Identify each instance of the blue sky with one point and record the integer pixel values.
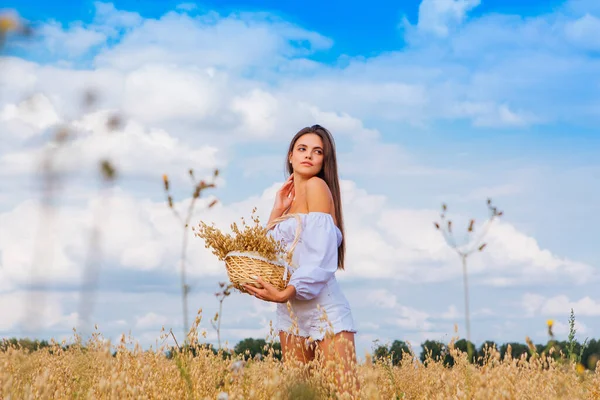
(359, 28)
(430, 101)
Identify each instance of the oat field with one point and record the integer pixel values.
(99, 370)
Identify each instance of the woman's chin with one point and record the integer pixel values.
(305, 174)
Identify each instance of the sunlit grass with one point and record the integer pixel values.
(102, 370)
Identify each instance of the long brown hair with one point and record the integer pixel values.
(329, 173)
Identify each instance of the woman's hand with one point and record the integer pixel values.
(270, 292)
(285, 195)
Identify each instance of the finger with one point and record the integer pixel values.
(288, 181)
(250, 289)
(268, 287)
(255, 290)
(287, 185)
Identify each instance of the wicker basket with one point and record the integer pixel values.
(243, 266)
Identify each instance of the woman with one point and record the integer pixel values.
(312, 192)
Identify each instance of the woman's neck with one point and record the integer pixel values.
(300, 182)
(299, 202)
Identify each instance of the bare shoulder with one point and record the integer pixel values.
(318, 195)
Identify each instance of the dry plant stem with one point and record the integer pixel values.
(466, 291)
(92, 264)
(43, 252)
(173, 335)
(198, 187)
(184, 286)
(221, 296)
(219, 322)
(464, 252)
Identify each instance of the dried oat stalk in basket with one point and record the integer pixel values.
(251, 238)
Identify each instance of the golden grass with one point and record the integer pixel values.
(252, 238)
(97, 372)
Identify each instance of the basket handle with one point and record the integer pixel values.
(284, 217)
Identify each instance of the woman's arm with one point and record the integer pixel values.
(283, 199)
(319, 260)
(276, 212)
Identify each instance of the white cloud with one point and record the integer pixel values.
(37, 112)
(560, 305)
(35, 311)
(108, 18)
(582, 7)
(381, 298)
(585, 32)
(383, 242)
(492, 115)
(485, 192)
(73, 41)
(135, 150)
(151, 320)
(438, 16)
(258, 110)
(452, 313)
(156, 93)
(235, 41)
(563, 329)
(411, 319)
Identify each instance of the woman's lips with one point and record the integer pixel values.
(306, 163)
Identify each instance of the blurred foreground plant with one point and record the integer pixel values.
(12, 24)
(198, 188)
(52, 177)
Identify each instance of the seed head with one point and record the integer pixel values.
(8, 23)
(109, 172)
(471, 225)
(114, 122)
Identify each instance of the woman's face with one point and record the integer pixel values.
(307, 155)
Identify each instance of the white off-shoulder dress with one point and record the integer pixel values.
(315, 259)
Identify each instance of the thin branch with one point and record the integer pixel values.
(172, 334)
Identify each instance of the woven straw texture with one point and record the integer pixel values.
(242, 267)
